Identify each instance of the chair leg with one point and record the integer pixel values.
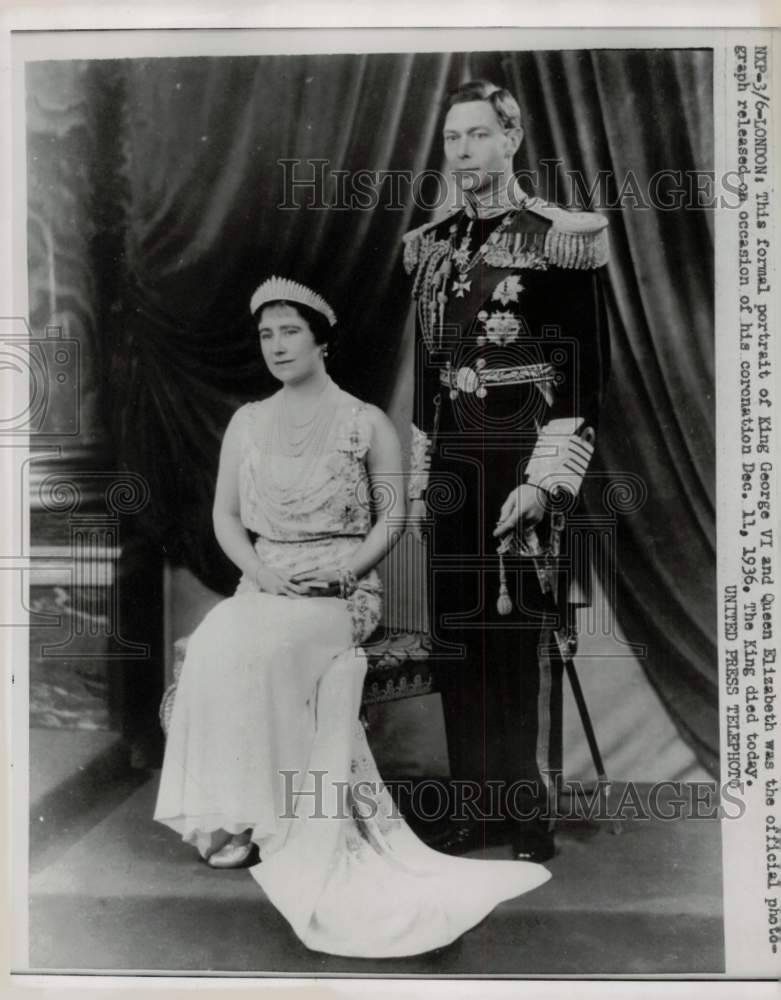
(588, 729)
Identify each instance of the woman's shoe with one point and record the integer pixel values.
(233, 855)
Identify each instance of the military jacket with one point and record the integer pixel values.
(511, 338)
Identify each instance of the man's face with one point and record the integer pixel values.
(477, 146)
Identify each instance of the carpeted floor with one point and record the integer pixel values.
(128, 895)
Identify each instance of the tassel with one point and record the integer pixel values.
(503, 604)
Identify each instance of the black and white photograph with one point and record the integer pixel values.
(370, 471)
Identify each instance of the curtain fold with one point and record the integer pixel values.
(201, 140)
(636, 114)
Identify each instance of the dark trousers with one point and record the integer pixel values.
(497, 675)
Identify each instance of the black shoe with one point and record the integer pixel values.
(457, 838)
(535, 844)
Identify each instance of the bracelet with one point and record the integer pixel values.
(348, 583)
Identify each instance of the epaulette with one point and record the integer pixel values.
(414, 240)
(574, 239)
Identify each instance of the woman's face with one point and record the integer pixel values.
(288, 344)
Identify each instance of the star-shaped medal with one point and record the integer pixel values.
(508, 290)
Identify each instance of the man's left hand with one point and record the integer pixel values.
(524, 507)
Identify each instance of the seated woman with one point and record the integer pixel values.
(266, 755)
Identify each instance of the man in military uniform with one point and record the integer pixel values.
(511, 362)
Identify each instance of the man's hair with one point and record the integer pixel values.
(500, 99)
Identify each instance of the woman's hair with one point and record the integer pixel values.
(322, 331)
(502, 101)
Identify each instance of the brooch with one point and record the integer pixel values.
(508, 289)
(500, 328)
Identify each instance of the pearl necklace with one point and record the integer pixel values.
(289, 466)
(289, 445)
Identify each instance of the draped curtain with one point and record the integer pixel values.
(200, 141)
(634, 114)
(204, 140)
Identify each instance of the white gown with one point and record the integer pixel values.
(265, 734)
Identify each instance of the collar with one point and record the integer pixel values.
(496, 203)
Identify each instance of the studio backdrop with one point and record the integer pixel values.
(161, 192)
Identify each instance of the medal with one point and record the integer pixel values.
(461, 286)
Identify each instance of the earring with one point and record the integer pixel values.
(325, 353)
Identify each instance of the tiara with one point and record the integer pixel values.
(275, 288)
